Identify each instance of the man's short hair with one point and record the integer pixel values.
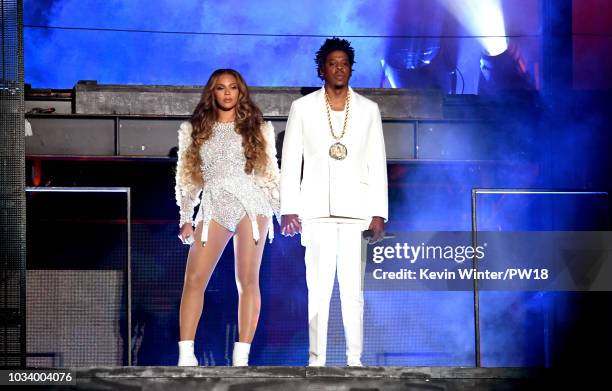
(331, 45)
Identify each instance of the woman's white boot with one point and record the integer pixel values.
(186, 356)
(240, 356)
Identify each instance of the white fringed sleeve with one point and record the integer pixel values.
(187, 194)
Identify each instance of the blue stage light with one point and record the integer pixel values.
(411, 67)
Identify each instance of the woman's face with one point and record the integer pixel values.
(226, 92)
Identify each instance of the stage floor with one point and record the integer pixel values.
(303, 378)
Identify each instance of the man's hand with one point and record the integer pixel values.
(290, 225)
(378, 229)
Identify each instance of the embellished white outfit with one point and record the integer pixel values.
(228, 193)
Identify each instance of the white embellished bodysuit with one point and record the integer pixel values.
(228, 193)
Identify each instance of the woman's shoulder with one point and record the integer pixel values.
(267, 129)
(184, 134)
(185, 127)
(267, 125)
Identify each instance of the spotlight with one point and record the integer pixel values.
(413, 68)
(505, 71)
(501, 66)
(484, 19)
(413, 59)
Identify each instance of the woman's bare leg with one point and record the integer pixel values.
(248, 260)
(201, 262)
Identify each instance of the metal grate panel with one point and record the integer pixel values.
(12, 197)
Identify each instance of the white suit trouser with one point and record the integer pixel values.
(331, 246)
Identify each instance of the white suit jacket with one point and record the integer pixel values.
(355, 187)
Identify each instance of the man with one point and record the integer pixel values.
(338, 134)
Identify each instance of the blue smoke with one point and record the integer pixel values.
(59, 58)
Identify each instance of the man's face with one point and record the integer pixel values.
(337, 69)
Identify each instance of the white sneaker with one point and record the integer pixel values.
(316, 361)
(354, 362)
(316, 364)
(240, 355)
(186, 356)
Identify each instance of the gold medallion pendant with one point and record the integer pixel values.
(338, 151)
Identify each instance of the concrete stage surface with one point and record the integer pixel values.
(305, 378)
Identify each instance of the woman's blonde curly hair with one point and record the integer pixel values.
(249, 120)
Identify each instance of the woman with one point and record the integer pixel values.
(227, 154)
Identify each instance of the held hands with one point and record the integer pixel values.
(290, 225)
(186, 234)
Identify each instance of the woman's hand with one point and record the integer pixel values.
(186, 234)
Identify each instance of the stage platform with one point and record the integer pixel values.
(304, 378)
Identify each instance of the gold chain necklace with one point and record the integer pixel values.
(338, 150)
